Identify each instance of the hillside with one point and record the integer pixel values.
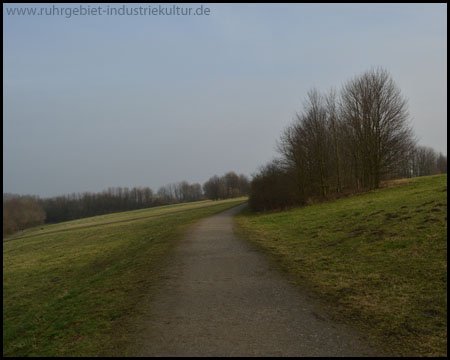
(377, 260)
(76, 288)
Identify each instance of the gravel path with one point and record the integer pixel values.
(223, 298)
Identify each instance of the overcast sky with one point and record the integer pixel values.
(97, 101)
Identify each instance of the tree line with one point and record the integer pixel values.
(423, 161)
(344, 142)
(20, 212)
(227, 186)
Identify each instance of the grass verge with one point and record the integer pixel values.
(377, 261)
(71, 293)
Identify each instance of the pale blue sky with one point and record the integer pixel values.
(98, 101)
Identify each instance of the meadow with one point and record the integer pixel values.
(107, 219)
(377, 261)
(77, 288)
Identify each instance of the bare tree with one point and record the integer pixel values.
(425, 161)
(342, 142)
(334, 127)
(441, 163)
(376, 118)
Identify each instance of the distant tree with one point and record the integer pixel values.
(196, 190)
(441, 163)
(244, 185)
(272, 188)
(425, 161)
(147, 194)
(164, 195)
(185, 191)
(231, 182)
(211, 188)
(9, 225)
(227, 186)
(21, 212)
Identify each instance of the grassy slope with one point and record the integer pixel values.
(71, 293)
(377, 260)
(120, 216)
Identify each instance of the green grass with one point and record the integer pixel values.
(73, 293)
(377, 261)
(116, 217)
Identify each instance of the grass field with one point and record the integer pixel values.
(73, 292)
(118, 217)
(378, 260)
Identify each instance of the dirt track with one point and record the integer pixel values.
(223, 298)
